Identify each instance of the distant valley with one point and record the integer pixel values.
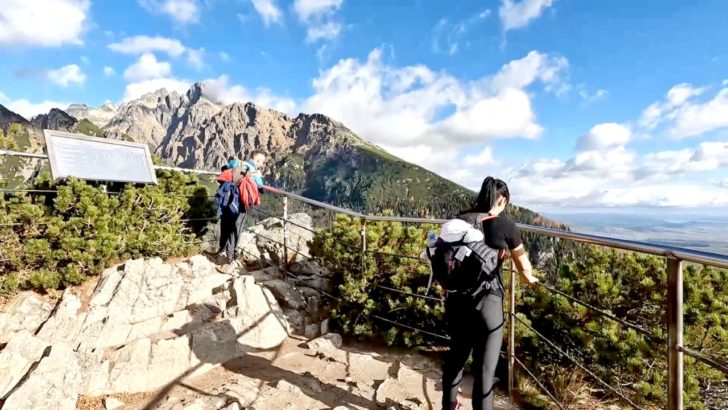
(700, 231)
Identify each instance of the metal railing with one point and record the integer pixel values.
(675, 257)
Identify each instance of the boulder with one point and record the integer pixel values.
(308, 268)
(265, 240)
(315, 282)
(256, 316)
(296, 320)
(405, 387)
(54, 384)
(16, 359)
(312, 331)
(27, 312)
(328, 346)
(325, 326)
(286, 294)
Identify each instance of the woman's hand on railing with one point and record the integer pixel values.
(528, 279)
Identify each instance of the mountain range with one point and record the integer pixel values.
(310, 154)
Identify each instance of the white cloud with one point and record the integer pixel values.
(224, 56)
(268, 10)
(196, 58)
(67, 75)
(447, 37)
(326, 31)
(407, 106)
(42, 23)
(147, 44)
(684, 116)
(219, 90)
(482, 159)
(693, 119)
(603, 136)
(29, 109)
(320, 18)
(108, 71)
(308, 9)
(138, 89)
(708, 156)
(659, 111)
(535, 66)
(589, 97)
(604, 172)
(147, 68)
(516, 14)
(181, 11)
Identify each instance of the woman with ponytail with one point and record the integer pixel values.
(475, 324)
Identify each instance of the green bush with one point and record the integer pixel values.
(340, 246)
(54, 240)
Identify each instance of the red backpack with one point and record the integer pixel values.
(249, 194)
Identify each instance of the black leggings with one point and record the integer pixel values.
(230, 227)
(477, 329)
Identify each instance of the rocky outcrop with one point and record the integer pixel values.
(266, 239)
(145, 324)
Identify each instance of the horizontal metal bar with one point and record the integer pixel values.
(29, 191)
(601, 312)
(409, 293)
(12, 153)
(190, 170)
(313, 202)
(538, 382)
(706, 258)
(689, 255)
(705, 359)
(579, 365)
(396, 255)
(402, 325)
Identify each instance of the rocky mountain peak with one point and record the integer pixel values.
(98, 116)
(56, 119)
(8, 117)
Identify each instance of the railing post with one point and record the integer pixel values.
(363, 245)
(511, 329)
(285, 234)
(674, 334)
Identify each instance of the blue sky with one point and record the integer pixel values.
(575, 103)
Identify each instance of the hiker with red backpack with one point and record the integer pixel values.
(467, 260)
(241, 184)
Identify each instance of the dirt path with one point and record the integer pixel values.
(295, 376)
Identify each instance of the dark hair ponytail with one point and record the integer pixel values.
(491, 189)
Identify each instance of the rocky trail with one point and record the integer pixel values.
(297, 375)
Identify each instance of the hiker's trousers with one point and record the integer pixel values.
(477, 329)
(230, 226)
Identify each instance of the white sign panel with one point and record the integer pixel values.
(98, 159)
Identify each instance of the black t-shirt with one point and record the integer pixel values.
(501, 233)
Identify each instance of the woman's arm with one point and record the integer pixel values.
(523, 265)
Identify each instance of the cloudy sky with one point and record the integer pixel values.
(580, 104)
